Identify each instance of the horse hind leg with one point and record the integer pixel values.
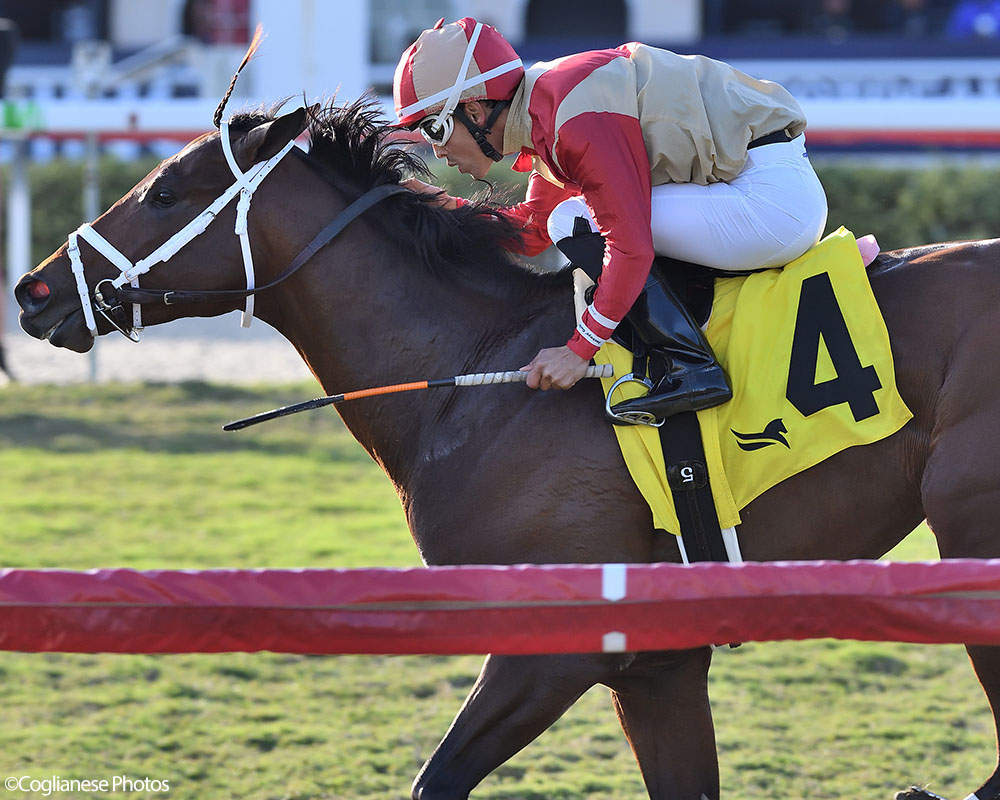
(514, 700)
(919, 793)
(959, 492)
(986, 662)
(985, 659)
(663, 706)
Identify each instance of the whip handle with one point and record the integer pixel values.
(517, 376)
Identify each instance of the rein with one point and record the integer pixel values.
(169, 297)
(246, 183)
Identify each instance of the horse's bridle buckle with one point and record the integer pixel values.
(114, 312)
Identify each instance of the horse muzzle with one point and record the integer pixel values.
(44, 318)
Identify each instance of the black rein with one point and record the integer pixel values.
(169, 297)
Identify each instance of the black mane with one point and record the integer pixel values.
(355, 144)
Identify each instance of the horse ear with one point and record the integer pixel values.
(266, 140)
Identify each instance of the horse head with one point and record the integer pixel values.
(203, 193)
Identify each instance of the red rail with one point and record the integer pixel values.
(521, 609)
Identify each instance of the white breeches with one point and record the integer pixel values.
(768, 215)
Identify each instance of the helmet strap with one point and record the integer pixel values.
(480, 132)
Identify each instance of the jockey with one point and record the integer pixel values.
(633, 152)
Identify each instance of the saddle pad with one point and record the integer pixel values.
(808, 355)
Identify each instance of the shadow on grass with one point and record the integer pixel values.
(183, 418)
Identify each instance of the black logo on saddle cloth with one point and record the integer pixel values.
(772, 434)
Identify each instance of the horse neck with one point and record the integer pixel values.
(371, 316)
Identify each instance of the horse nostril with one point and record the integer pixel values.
(38, 290)
(32, 294)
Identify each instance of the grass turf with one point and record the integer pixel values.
(143, 476)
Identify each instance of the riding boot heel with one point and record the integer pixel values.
(694, 379)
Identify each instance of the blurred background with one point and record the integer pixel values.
(902, 96)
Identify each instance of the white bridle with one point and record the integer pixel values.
(245, 185)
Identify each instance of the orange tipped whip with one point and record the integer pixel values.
(472, 379)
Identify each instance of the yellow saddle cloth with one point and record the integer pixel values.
(808, 355)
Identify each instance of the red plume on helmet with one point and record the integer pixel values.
(440, 67)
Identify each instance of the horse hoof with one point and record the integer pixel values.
(918, 793)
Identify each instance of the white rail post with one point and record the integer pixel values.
(91, 64)
(91, 209)
(18, 210)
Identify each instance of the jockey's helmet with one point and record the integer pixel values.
(452, 64)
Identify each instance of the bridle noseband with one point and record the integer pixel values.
(108, 302)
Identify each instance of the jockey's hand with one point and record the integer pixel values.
(555, 368)
(443, 199)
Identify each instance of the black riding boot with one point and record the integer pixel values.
(693, 378)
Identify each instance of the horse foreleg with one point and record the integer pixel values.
(514, 700)
(662, 704)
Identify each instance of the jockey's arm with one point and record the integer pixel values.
(605, 156)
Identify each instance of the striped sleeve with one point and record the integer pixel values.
(604, 154)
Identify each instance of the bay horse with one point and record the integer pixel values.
(507, 475)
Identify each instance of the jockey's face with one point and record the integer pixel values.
(462, 151)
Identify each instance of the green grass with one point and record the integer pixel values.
(143, 476)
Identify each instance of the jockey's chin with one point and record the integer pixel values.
(473, 168)
(469, 160)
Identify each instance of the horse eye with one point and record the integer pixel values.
(163, 198)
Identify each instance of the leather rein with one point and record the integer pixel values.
(170, 297)
(109, 302)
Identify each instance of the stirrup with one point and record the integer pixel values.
(631, 417)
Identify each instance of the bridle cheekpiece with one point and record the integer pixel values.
(245, 185)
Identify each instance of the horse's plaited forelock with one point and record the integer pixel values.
(258, 37)
(355, 143)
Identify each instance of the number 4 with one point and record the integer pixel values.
(818, 316)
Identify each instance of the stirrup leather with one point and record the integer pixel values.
(631, 417)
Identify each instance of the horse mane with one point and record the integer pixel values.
(353, 146)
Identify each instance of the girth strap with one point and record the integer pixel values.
(342, 220)
(687, 475)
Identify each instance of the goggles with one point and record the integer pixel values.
(435, 130)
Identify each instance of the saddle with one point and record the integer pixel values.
(808, 355)
(694, 284)
(701, 536)
(687, 468)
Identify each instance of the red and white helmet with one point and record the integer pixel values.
(451, 64)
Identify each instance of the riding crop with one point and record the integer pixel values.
(472, 379)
